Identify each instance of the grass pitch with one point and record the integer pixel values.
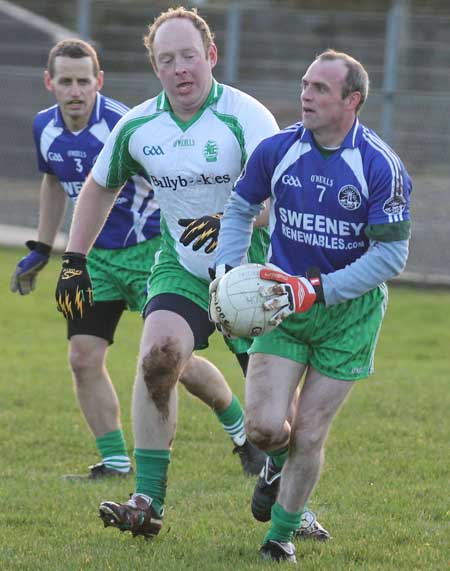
(383, 493)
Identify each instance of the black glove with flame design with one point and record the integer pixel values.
(204, 231)
(74, 294)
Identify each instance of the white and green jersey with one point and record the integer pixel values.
(191, 165)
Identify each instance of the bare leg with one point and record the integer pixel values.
(166, 346)
(203, 380)
(94, 389)
(319, 402)
(206, 382)
(270, 389)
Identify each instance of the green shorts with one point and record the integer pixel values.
(259, 246)
(122, 274)
(168, 276)
(338, 341)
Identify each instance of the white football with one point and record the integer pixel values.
(238, 303)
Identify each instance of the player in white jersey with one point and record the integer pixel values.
(191, 142)
(340, 227)
(69, 136)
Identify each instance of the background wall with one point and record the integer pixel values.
(277, 41)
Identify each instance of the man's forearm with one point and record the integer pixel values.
(52, 206)
(91, 211)
(383, 261)
(235, 230)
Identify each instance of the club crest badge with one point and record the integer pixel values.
(210, 151)
(349, 197)
(394, 205)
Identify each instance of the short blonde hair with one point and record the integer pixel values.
(180, 12)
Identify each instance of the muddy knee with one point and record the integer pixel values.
(161, 367)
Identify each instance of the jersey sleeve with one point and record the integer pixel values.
(389, 199)
(260, 124)
(235, 231)
(115, 164)
(254, 183)
(43, 164)
(382, 261)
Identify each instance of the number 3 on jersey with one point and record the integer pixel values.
(78, 165)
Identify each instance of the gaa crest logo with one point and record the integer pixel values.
(152, 151)
(349, 197)
(210, 151)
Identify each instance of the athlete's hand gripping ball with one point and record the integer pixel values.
(290, 295)
(74, 295)
(204, 231)
(24, 278)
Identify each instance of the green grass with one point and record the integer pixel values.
(383, 493)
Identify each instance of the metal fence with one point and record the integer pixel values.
(265, 47)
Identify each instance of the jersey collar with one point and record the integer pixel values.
(163, 103)
(351, 141)
(94, 117)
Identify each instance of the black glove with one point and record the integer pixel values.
(315, 277)
(24, 278)
(74, 295)
(202, 230)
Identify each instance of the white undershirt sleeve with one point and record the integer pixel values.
(236, 230)
(381, 262)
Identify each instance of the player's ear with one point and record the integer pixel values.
(354, 98)
(100, 80)
(48, 81)
(212, 54)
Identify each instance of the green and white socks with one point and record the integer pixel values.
(232, 420)
(113, 451)
(152, 465)
(279, 457)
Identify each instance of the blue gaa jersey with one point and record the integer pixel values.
(325, 210)
(70, 157)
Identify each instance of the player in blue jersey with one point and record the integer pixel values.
(69, 137)
(340, 227)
